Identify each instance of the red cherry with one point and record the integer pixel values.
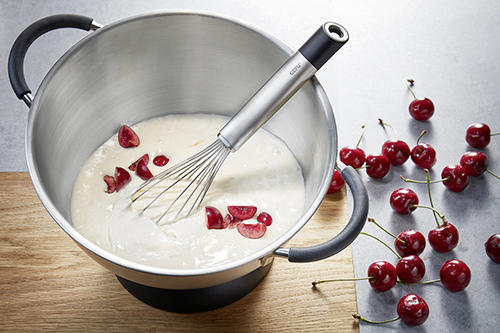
(410, 269)
(377, 166)
(444, 238)
(337, 182)
(397, 151)
(421, 109)
(133, 166)
(242, 212)
(127, 137)
(423, 155)
(265, 218)
(214, 218)
(458, 177)
(230, 221)
(353, 156)
(414, 243)
(110, 182)
(122, 178)
(226, 221)
(160, 160)
(407, 242)
(383, 275)
(142, 170)
(474, 162)
(252, 231)
(455, 275)
(492, 246)
(402, 200)
(413, 310)
(478, 135)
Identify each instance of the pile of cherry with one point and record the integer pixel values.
(235, 219)
(454, 274)
(127, 138)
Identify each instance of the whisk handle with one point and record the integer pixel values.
(284, 83)
(324, 43)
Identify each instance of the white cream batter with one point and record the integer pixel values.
(263, 173)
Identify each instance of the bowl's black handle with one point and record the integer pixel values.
(28, 36)
(346, 236)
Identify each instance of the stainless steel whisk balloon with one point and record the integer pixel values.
(188, 181)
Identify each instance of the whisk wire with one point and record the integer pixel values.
(207, 184)
(178, 179)
(172, 170)
(200, 175)
(199, 169)
(209, 168)
(210, 180)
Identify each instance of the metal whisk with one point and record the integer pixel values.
(198, 172)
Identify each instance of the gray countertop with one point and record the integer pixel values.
(450, 48)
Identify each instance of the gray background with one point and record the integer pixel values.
(450, 48)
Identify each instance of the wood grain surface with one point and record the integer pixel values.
(48, 284)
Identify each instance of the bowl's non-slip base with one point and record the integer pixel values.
(196, 300)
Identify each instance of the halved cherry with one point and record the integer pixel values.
(143, 171)
(226, 221)
(214, 218)
(252, 231)
(110, 182)
(265, 218)
(144, 158)
(242, 212)
(122, 178)
(127, 137)
(231, 222)
(160, 160)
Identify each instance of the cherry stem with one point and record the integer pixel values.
(386, 231)
(420, 282)
(314, 283)
(411, 85)
(421, 135)
(359, 317)
(441, 216)
(493, 134)
(381, 241)
(363, 167)
(428, 179)
(491, 173)
(383, 124)
(424, 181)
(361, 137)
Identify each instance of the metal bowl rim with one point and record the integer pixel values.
(80, 239)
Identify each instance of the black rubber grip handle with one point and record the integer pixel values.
(29, 35)
(324, 43)
(350, 231)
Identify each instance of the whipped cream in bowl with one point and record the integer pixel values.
(263, 173)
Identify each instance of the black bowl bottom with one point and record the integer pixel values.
(196, 300)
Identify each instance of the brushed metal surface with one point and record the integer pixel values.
(158, 64)
(267, 101)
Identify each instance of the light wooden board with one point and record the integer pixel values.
(48, 284)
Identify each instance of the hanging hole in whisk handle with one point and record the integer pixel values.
(324, 43)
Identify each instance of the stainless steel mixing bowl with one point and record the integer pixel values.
(170, 62)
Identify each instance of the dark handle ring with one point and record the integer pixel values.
(346, 236)
(324, 43)
(28, 36)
